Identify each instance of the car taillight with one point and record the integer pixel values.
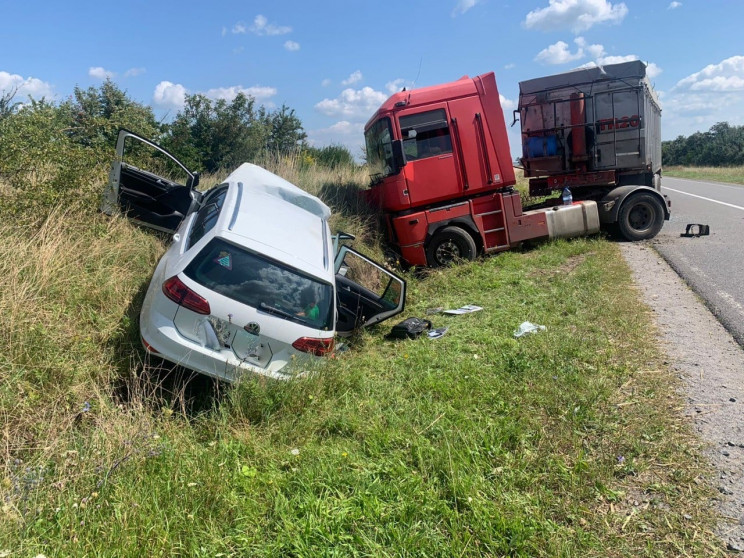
(147, 346)
(179, 293)
(317, 347)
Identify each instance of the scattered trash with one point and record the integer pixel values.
(463, 310)
(437, 310)
(690, 231)
(528, 327)
(437, 333)
(409, 328)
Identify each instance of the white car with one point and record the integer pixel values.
(253, 278)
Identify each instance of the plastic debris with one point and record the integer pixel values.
(436, 310)
(696, 230)
(437, 333)
(463, 310)
(528, 327)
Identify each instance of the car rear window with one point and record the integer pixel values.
(264, 284)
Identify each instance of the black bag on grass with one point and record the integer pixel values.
(409, 328)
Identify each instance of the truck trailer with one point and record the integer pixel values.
(442, 174)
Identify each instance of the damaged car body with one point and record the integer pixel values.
(253, 278)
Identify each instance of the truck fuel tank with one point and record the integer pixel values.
(577, 219)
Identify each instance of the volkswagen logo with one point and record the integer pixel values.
(253, 328)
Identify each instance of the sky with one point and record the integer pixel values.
(334, 62)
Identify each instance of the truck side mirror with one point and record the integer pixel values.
(398, 158)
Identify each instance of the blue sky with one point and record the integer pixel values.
(334, 62)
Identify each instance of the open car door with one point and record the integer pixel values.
(158, 198)
(367, 292)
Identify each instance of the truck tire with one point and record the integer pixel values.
(450, 245)
(641, 217)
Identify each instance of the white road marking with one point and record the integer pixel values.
(717, 184)
(704, 198)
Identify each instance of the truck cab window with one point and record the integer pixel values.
(425, 134)
(379, 141)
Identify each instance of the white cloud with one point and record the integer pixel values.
(258, 92)
(98, 72)
(355, 77)
(674, 5)
(326, 82)
(261, 26)
(463, 6)
(169, 95)
(292, 46)
(510, 66)
(577, 15)
(352, 103)
(727, 76)
(134, 72)
(172, 95)
(507, 104)
(239, 28)
(24, 88)
(397, 85)
(558, 53)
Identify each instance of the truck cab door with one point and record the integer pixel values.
(431, 170)
(158, 198)
(367, 293)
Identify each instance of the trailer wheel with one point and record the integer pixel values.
(641, 217)
(450, 245)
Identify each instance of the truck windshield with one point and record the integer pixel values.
(379, 140)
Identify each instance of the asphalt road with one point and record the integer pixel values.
(712, 265)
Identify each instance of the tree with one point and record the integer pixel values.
(95, 116)
(331, 156)
(7, 106)
(212, 135)
(721, 146)
(286, 133)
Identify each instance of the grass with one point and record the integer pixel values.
(734, 175)
(565, 443)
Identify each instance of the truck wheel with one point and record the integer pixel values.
(450, 245)
(641, 217)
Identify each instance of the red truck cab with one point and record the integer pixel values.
(442, 173)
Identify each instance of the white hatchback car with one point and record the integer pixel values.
(253, 278)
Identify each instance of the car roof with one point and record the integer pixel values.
(276, 218)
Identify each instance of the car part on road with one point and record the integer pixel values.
(702, 230)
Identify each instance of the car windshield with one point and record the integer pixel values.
(380, 150)
(264, 284)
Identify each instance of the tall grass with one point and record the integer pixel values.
(566, 443)
(735, 175)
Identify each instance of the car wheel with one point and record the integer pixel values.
(450, 245)
(641, 217)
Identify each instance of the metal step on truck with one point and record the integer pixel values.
(442, 174)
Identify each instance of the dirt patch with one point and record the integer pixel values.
(711, 365)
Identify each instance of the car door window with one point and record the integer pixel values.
(207, 216)
(367, 292)
(148, 184)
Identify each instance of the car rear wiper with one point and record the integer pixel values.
(278, 312)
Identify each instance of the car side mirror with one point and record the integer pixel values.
(398, 158)
(193, 182)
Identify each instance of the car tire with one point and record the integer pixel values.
(641, 217)
(450, 245)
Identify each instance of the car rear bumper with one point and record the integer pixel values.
(161, 338)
